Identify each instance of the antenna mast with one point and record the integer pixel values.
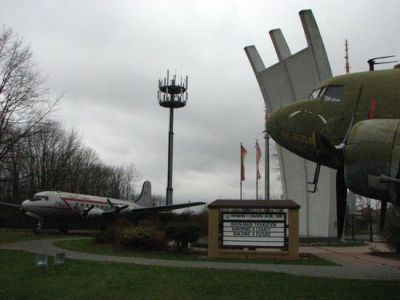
(172, 95)
(346, 57)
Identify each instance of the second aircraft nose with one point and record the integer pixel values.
(274, 124)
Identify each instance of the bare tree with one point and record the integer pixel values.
(128, 182)
(37, 153)
(23, 99)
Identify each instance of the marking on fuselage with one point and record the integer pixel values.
(322, 118)
(66, 204)
(300, 138)
(88, 201)
(294, 113)
(372, 109)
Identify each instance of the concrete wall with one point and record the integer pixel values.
(291, 79)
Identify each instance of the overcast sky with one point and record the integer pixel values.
(106, 58)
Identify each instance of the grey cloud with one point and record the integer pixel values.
(108, 56)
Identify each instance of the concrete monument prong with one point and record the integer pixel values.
(291, 79)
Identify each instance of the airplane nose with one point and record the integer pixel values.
(25, 203)
(273, 124)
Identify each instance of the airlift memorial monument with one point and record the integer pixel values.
(293, 77)
(253, 229)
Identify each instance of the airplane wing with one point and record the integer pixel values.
(10, 204)
(166, 207)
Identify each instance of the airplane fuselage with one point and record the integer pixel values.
(61, 205)
(313, 127)
(350, 123)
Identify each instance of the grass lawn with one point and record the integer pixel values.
(89, 246)
(95, 280)
(14, 235)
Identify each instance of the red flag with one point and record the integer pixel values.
(372, 109)
(258, 158)
(243, 153)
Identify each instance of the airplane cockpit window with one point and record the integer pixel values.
(333, 93)
(38, 198)
(314, 94)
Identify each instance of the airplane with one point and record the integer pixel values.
(63, 207)
(350, 123)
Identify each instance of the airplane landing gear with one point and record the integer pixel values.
(64, 228)
(38, 228)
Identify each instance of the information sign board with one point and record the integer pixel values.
(254, 229)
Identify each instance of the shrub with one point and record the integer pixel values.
(201, 218)
(182, 233)
(110, 235)
(391, 231)
(142, 237)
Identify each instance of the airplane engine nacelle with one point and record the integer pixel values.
(95, 212)
(127, 211)
(372, 158)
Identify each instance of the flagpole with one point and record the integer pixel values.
(256, 172)
(266, 176)
(256, 189)
(241, 170)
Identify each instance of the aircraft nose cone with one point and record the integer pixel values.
(25, 204)
(273, 124)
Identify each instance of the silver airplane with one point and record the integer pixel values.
(62, 207)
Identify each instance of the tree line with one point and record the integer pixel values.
(37, 153)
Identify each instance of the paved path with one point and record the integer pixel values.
(356, 264)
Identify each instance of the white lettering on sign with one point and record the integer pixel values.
(254, 229)
(253, 210)
(255, 217)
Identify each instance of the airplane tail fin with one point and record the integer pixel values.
(145, 198)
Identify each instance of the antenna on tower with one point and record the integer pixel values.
(346, 56)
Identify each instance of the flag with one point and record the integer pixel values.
(243, 153)
(372, 109)
(258, 158)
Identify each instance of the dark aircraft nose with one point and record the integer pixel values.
(302, 128)
(293, 123)
(273, 124)
(278, 123)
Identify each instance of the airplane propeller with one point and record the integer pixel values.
(85, 212)
(117, 208)
(341, 189)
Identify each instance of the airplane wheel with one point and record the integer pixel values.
(64, 228)
(37, 229)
